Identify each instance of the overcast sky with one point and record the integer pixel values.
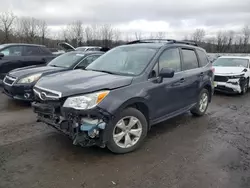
(176, 17)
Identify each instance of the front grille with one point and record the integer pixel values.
(220, 78)
(9, 80)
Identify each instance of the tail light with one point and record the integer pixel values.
(212, 69)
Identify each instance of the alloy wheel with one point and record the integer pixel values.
(127, 132)
(203, 102)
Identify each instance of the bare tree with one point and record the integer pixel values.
(246, 36)
(138, 35)
(92, 34)
(230, 41)
(198, 35)
(117, 36)
(107, 34)
(160, 35)
(43, 31)
(6, 24)
(27, 28)
(74, 33)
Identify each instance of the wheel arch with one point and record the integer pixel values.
(137, 103)
(208, 86)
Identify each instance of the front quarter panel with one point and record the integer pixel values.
(120, 98)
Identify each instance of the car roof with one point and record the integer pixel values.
(21, 44)
(238, 57)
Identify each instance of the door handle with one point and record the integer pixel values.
(202, 73)
(182, 80)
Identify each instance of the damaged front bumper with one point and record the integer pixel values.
(231, 86)
(85, 128)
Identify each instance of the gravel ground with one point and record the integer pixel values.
(211, 151)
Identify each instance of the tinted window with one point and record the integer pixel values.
(32, 50)
(189, 59)
(170, 59)
(126, 60)
(46, 51)
(12, 51)
(203, 58)
(87, 61)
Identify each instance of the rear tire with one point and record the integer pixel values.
(127, 132)
(202, 103)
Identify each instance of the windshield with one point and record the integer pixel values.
(126, 60)
(231, 62)
(66, 60)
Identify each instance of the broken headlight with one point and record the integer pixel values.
(236, 76)
(84, 102)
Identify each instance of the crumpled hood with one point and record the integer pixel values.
(81, 81)
(228, 70)
(26, 71)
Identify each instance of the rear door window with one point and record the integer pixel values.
(190, 60)
(32, 51)
(203, 58)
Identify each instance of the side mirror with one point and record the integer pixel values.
(166, 73)
(1, 55)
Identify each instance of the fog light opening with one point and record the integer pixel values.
(26, 95)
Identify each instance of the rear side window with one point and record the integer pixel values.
(12, 51)
(190, 60)
(170, 59)
(32, 50)
(47, 51)
(203, 58)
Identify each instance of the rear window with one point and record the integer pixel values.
(203, 58)
(190, 60)
(47, 51)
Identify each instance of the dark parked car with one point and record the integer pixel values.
(14, 56)
(19, 83)
(116, 100)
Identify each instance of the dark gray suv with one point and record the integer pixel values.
(116, 100)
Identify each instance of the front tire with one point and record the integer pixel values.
(127, 132)
(202, 103)
(244, 86)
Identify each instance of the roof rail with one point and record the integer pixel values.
(151, 41)
(167, 41)
(187, 42)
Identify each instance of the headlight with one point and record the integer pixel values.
(236, 76)
(29, 79)
(87, 101)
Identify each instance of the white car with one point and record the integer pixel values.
(231, 74)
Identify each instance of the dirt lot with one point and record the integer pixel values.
(212, 151)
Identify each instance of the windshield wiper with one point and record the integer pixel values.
(102, 71)
(55, 66)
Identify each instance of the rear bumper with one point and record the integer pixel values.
(19, 92)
